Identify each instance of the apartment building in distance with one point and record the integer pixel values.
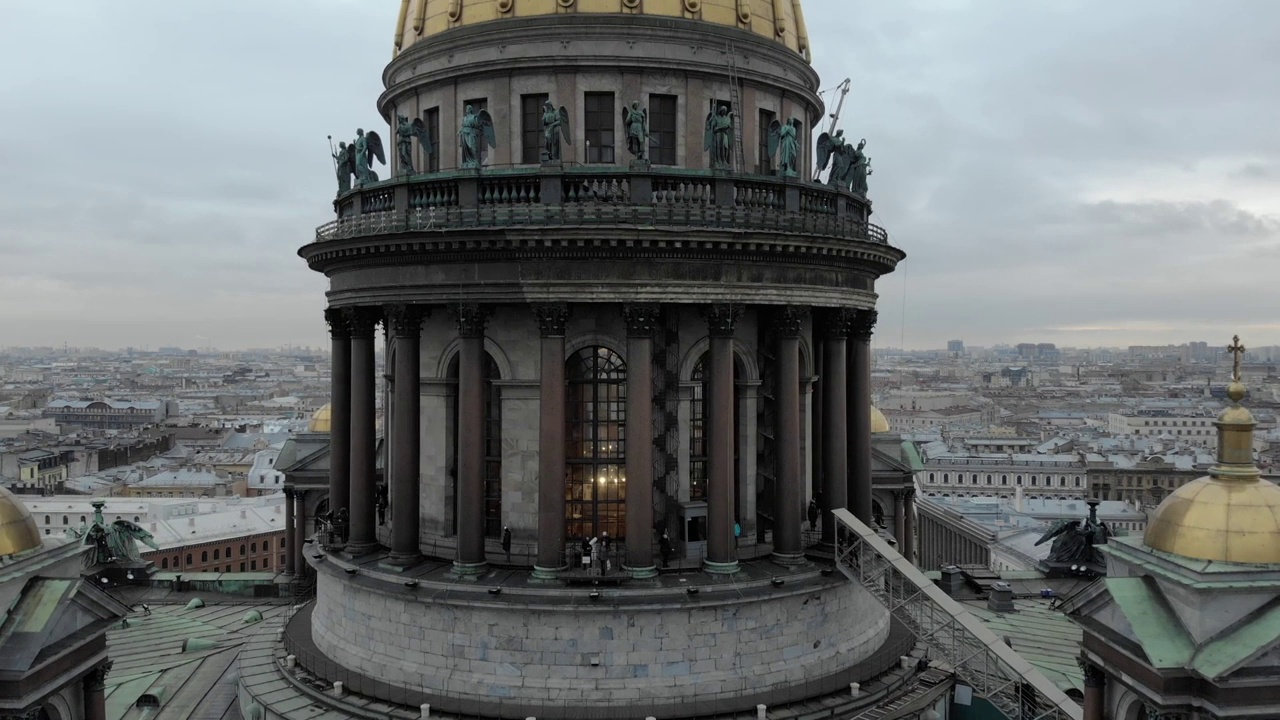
(110, 414)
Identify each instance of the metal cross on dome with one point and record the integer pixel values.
(1238, 350)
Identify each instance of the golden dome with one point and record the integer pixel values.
(321, 419)
(782, 20)
(1232, 515)
(18, 531)
(879, 424)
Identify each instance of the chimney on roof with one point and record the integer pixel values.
(244, 514)
(1018, 499)
(153, 527)
(952, 579)
(1000, 599)
(191, 521)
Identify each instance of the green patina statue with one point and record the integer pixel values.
(718, 139)
(636, 120)
(555, 126)
(344, 164)
(368, 147)
(784, 141)
(406, 131)
(849, 165)
(476, 134)
(859, 169)
(116, 543)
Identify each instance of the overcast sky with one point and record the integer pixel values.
(1086, 173)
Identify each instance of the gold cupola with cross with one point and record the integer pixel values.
(1231, 515)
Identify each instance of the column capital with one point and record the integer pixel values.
(838, 322)
(1094, 676)
(642, 319)
(405, 321)
(722, 318)
(96, 680)
(864, 322)
(339, 322)
(363, 321)
(32, 714)
(789, 320)
(552, 319)
(288, 491)
(471, 319)
(909, 494)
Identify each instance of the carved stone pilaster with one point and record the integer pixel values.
(339, 322)
(471, 320)
(642, 320)
(96, 680)
(789, 321)
(552, 319)
(909, 494)
(721, 319)
(864, 322)
(837, 323)
(363, 321)
(405, 321)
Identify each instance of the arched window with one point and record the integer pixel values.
(215, 553)
(188, 558)
(242, 551)
(595, 452)
(973, 479)
(1077, 481)
(1034, 481)
(492, 445)
(48, 520)
(1018, 480)
(228, 555)
(266, 562)
(164, 563)
(988, 479)
(204, 556)
(83, 520)
(946, 478)
(1004, 479)
(266, 545)
(65, 520)
(135, 518)
(253, 548)
(931, 477)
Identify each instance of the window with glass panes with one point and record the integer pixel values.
(531, 127)
(662, 129)
(599, 124)
(595, 437)
(764, 162)
(432, 119)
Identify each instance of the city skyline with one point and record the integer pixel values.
(1052, 177)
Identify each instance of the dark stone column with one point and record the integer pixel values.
(290, 566)
(900, 520)
(471, 364)
(722, 547)
(95, 696)
(788, 545)
(404, 323)
(1095, 687)
(297, 542)
(816, 455)
(859, 389)
(362, 502)
(641, 321)
(835, 468)
(908, 541)
(339, 411)
(551, 428)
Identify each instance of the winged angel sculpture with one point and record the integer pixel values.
(406, 131)
(114, 543)
(784, 142)
(718, 139)
(1074, 542)
(636, 120)
(368, 146)
(476, 135)
(849, 165)
(555, 127)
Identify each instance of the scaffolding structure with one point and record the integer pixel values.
(952, 634)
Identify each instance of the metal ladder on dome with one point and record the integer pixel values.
(978, 657)
(735, 107)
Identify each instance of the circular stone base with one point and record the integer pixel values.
(469, 570)
(716, 568)
(653, 650)
(643, 573)
(789, 560)
(546, 574)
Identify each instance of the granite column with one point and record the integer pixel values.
(290, 566)
(339, 411)
(788, 544)
(95, 692)
(859, 481)
(405, 324)
(835, 462)
(471, 366)
(551, 451)
(907, 544)
(362, 498)
(722, 546)
(641, 322)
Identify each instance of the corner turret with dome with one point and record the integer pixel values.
(1185, 624)
(628, 319)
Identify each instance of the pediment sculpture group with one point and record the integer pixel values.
(849, 165)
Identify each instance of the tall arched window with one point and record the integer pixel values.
(492, 445)
(596, 486)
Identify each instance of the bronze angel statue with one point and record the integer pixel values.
(784, 142)
(114, 543)
(718, 139)
(555, 127)
(476, 134)
(368, 148)
(636, 120)
(1077, 543)
(406, 131)
(343, 164)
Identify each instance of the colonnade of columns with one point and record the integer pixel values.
(845, 336)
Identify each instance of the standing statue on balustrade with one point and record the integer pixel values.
(784, 142)
(718, 139)
(849, 165)
(368, 148)
(636, 120)
(344, 164)
(476, 134)
(406, 131)
(555, 126)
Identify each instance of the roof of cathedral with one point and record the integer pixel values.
(1231, 515)
(780, 20)
(18, 531)
(320, 421)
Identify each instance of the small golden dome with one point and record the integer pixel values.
(879, 424)
(321, 420)
(1232, 515)
(18, 531)
(781, 20)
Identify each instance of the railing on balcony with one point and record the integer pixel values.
(590, 197)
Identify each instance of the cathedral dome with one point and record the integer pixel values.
(321, 419)
(1232, 515)
(781, 20)
(18, 531)
(879, 424)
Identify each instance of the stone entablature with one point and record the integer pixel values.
(659, 648)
